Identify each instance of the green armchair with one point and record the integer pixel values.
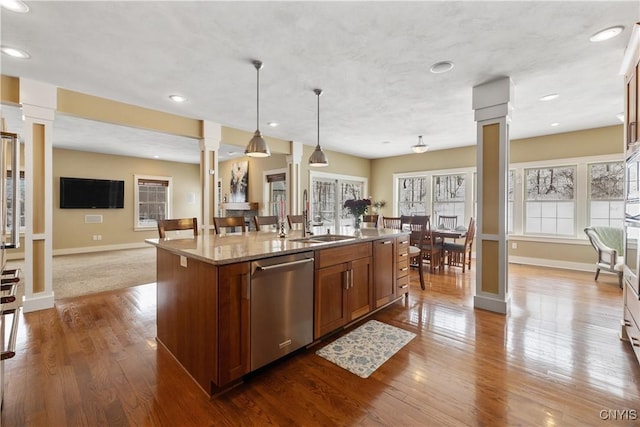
(608, 243)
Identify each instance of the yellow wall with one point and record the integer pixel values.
(69, 228)
(589, 142)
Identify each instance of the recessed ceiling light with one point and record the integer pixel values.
(620, 117)
(273, 124)
(549, 97)
(386, 142)
(177, 98)
(156, 157)
(606, 34)
(555, 124)
(15, 5)
(441, 67)
(15, 53)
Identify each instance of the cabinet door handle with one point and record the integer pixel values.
(627, 323)
(404, 254)
(11, 349)
(350, 279)
(404, 286)
(634, 342)
(404, 242)
(386, 242)
(345, 279)
(404, 268)
(631, 129)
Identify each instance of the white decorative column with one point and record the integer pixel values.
(39, 102)
(209, 145)
(492, 106)
(293, 166)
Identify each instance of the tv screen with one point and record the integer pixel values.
(84, 193)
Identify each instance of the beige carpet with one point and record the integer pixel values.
(82, 274)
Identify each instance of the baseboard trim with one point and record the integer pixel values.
(106, 248)
(543, 262)
(38, 303)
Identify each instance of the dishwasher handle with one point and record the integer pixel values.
(284, 264)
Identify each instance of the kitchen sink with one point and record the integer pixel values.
(322, 238)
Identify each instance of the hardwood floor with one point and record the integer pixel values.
(555, 360)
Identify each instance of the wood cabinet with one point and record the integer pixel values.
(187, 314)
(384, 284)
(631, 67)
(632, 318)
(234, 357)
(203, 317)
(402, 266)
(343, 286)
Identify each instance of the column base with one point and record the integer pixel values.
(491, 304)
(37, 303)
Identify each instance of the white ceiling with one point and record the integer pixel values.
(372, 60)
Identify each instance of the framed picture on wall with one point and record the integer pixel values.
(239, 181)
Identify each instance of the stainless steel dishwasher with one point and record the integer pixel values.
(281, 306)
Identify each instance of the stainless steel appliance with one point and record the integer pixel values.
(281, 306)
(9, 238)
(632, 222)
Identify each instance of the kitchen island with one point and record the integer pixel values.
(208, 303)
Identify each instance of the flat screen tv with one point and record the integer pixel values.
(86, 193)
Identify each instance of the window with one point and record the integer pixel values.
(21, 207)
(328, 194)
(449, 196)
(412, 195)
(276, 186)
(152, 200)
(606, 194)
(550, 200)
(510, 199)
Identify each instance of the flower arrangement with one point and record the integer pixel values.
(378, 205)
(357, 207)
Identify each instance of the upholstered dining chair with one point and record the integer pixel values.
(293, 220)
(417, 226)
(179, 224)
(224, 222)
(459, 254)
(391, 222)
(370, 218)
(432, 249)
(260, 221)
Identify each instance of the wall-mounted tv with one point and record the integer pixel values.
(86, 193)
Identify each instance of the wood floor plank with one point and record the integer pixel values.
(554, 360)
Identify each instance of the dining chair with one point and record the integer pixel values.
(223, 222)
(370, 218)
(405, 220)
(417, 226)
(448, 221)
(179, 224)
(260, 221)
(294, 220)
(432, 249)
(459, 254)
(391, 222)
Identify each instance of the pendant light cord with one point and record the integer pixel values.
(258, 97)
(318, 97)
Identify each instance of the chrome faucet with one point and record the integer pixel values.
(305, 214)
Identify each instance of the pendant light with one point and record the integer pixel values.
(420, 147)
(257, 147)
(318, 158)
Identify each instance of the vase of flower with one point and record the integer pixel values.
(357, 208)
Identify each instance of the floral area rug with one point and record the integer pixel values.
(366, 348)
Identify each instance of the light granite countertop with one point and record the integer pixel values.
(237, 247)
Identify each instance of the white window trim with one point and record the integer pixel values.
(328, 175)
(136, 213)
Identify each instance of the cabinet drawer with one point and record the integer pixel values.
(402, 286)
(632, 303)
(403, 243)
(333, 256)
(633, 333)
(403, 267)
